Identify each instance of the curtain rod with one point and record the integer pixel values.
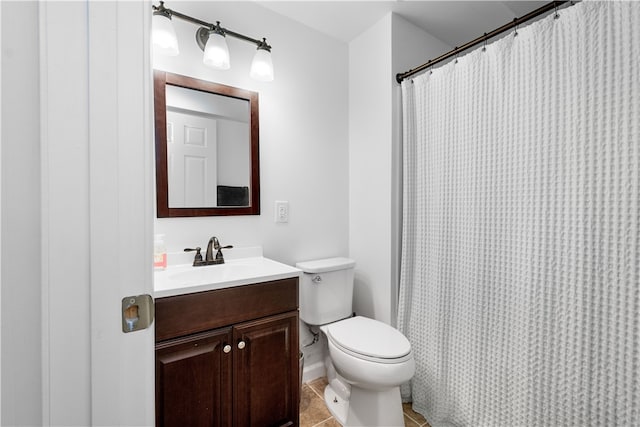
(516, 21)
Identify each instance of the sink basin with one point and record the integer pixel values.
(184, 279)
(212, 273)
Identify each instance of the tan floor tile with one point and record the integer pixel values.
(318, 385)
(305, 398)
(312, 408)
(406, 407)
(331, 422)
(314, 413)
(408, 422)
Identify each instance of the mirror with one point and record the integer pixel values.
(207, 149)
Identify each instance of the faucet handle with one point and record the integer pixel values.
(198, 258)
(219, 253)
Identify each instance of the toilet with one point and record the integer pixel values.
(368, 360)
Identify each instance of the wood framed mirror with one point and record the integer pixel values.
(207, 148)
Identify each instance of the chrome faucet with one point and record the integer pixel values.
(209, 258)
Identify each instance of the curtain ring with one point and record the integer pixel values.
(555, 7)
(456, 61)
(515, 33)
(484, 46)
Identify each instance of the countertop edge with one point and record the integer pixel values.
(288, 272)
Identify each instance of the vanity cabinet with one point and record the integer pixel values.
(228, 357)
(193, 378)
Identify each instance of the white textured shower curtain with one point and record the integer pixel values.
(520, 283)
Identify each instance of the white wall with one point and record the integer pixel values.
(20, 278)
(391, 45)
(370, 168)
(234, 167)
(303, 134)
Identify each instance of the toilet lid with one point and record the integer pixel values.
(369, 337)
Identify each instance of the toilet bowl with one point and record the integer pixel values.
(373, 359)
(369, 353)
(368, 359)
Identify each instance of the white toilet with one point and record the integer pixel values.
(368, 360)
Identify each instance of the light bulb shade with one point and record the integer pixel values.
(216, 52)
(163, 35)
(262, 66)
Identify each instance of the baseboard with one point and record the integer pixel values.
(313, 372)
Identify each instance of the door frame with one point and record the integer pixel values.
(97, 210)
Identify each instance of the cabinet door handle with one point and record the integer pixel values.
(241, 345)
(226, 348)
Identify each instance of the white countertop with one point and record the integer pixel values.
(186, 279)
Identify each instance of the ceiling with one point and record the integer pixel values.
(453, 22)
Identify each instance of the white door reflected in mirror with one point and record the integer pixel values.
(192, 160)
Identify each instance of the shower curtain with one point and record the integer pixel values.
(520, 283)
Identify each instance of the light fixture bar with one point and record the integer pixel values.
(170, 12)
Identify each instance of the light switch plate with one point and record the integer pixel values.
(282, 211)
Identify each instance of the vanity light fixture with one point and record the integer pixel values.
(211, 38)
(261, 66)
(216, 51)
(162, 33)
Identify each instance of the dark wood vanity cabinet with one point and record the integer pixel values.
(228, 357)
(193, 379)
(265, 386)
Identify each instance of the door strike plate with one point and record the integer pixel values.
(137, 313)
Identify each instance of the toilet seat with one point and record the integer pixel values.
(369, 339)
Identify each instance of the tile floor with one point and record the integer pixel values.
(314, 413)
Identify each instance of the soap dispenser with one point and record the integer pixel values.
(159, 252)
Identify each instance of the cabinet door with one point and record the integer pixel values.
(266, 384)
(193, 380)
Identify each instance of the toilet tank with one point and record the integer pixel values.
(326, 290)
